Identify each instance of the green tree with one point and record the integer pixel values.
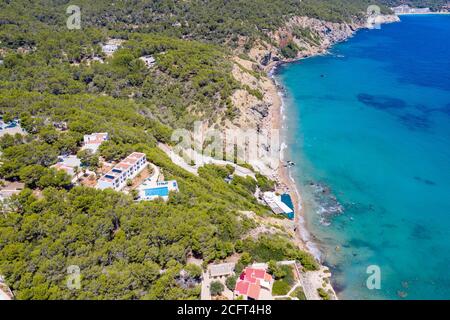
(231, 282)
(216, 288)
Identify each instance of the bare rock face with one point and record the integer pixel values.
(261, 109)
(313, 36)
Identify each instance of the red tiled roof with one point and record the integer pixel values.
(242, 287)
(249, 282)
(253, 291)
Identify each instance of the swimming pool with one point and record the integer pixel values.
(160, 192)
(286, 199)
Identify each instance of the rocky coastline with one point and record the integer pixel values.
(267, 112)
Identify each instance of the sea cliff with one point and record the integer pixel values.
(308, 37)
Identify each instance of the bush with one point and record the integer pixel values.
(231, 282)
(323, 294)
(216, 288)
(308, 261)
(264, 183)
(245, 259)
(275, 270)
(288, 275)
(280, 288)
(193, 270)
(299, 293)
(290, 51)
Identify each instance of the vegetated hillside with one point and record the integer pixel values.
(49, 76)
(211, 20)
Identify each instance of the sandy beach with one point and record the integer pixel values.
(285, 184)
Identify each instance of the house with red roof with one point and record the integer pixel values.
(254, 283)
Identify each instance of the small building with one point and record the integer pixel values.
(109, 49)
(405, 9)
(68, 164)
(111, 46)
(148, 60)
(94, 140)
(254, 283)
(160, 189)
(5, 292)
(1, 62)
(10, 189)
(277, 205)
(126, 169)
(221, 270)
(11, 127)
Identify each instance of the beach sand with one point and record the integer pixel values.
(286, 184)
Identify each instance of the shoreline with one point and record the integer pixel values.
(422, 14)
(285, 182)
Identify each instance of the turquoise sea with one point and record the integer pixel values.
(368, 127)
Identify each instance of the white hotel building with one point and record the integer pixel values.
(126, 169)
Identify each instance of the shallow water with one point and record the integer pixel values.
(369, 129)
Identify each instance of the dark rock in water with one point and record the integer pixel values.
(425, 181)
(327, 203)
(420, 232)
(381, 102)
(359, 243)
(414, 122)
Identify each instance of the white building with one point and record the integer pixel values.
(68, 164)
(405, 9)
(11, 127)
(109, 49)
(94, 140)
(277, 205)
(221, 270)
(111, 46)
(126, 169)
(148, 60)
(5, 292)
(10, 189)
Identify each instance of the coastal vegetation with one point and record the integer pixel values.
(284, 279)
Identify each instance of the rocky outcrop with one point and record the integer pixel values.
(261, 109)
(311, 37)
